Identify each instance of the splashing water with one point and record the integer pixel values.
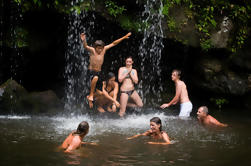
(150, 52)
(77, 85)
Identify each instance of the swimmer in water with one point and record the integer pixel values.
(207, 120)
(74, 140)
(155, 132)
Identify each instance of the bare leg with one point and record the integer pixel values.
(136, 98)
(123, 103)
(93, 86)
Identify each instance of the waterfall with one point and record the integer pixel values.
(150, 51)
(77, 59)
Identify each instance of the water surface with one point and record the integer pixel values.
(33, 140)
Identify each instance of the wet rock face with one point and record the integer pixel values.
(215, 76)
(15, 99)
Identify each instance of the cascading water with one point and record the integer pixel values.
(77, 85)
(150, 52)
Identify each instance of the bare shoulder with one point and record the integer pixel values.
(134, 70)
(121, 68)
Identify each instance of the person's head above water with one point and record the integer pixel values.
(202, 111)
(83, 128)
(176, 74)
(110, 78)
(155, 124)
(128, 61)
(99, 46)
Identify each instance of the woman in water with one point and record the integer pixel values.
(155, 132)
(74, 140)
(128, 77)
(107, 96)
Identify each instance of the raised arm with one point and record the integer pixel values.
(88, 48)
(122, 74)
(134, 76)
(175, 99)
(114, 43)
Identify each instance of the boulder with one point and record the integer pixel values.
(14, 99)
(215, 76)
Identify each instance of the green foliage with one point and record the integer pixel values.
(113, 9)
(205, 44)
(219, 102)
(205, 14)
(129, 24)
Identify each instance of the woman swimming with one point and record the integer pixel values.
(155, 132)
(74, 140)
(108, 95)
(128, 77)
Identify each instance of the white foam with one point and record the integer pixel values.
(13, 117)
(105, 125)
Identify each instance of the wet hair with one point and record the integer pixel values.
(204, 109)
(128, 58)
(98, 43)
(157, 121)
(177, 71)
(83, 128)
(109, 76)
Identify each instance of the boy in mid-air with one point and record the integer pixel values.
(97, 53)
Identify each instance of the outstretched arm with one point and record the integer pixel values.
(217, 123)
(114, 43)
(88, 48)
(175, 99)
(89, 143)
(138, 135)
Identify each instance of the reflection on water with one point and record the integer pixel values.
(28, 140)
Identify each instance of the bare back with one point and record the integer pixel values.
(72, 142)
(181, 87)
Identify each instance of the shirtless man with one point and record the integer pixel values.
(208, 120)
(97, 53)
(180, 96)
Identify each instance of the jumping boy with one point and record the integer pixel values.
(97, 53)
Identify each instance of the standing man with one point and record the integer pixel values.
(180, 96)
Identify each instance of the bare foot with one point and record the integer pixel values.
(90, 102)
(100, 109)
(109, 109)
(89, 97)
(121, 114)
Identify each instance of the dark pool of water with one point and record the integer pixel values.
(33, 141)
